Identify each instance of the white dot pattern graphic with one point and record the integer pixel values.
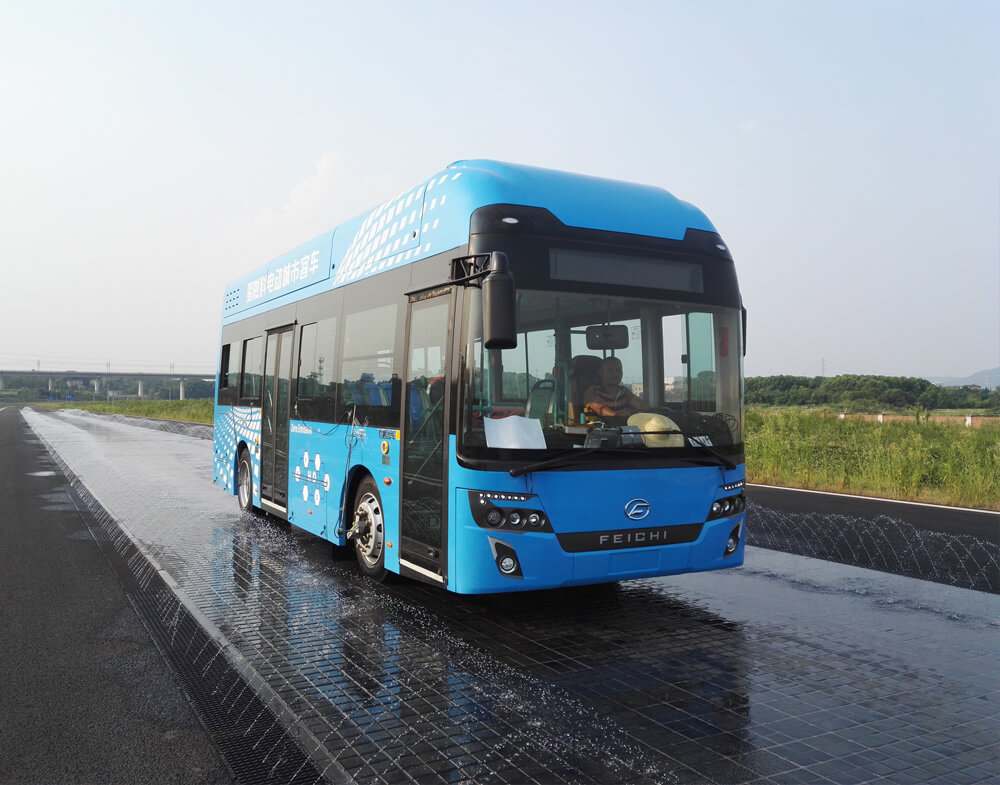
(240, 423)
(396, 232)
(308, 476)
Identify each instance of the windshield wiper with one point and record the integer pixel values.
(694, 440)
(711, 449)
(566, 458)
(569, 457)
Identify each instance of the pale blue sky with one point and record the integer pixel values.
(847, 151)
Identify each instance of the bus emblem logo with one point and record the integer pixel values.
(637, 509)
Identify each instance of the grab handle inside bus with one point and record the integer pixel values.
(499, 306)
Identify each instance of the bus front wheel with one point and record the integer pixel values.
(244, 481)
(368, 527)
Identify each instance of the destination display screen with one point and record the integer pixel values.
(620, 269)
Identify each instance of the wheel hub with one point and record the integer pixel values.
(368, 521)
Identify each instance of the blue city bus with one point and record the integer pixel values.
(415, 384)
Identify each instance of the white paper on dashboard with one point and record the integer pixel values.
(514, 433)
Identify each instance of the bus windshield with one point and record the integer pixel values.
(622, 375)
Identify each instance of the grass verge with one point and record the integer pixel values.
(198, 410)
(927, 461)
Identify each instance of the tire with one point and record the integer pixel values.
(369, 540)
(244, 481)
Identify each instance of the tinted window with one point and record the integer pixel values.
(253, 359)
(227, 378)
(370, 377)
(317, 371)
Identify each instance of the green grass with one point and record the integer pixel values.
(930, 462)
(198, 410)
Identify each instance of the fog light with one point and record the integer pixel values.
(506, 559)
(733, 543)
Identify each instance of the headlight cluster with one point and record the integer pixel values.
(499, 517)
(724, 508)
(490, 516)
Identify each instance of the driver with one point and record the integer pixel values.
(610, 398)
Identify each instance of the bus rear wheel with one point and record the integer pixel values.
(368, 525)
(244, 481)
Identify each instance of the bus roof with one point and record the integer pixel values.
(434, 216)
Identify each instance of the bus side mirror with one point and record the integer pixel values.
(499, 331)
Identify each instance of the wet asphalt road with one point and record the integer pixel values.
(926, 517)
(787, 671)
(957, 547)
(86, 696)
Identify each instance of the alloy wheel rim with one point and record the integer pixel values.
(371, 531)
(244, 483)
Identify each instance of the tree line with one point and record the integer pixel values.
(865, 393)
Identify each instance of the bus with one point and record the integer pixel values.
(414, 384)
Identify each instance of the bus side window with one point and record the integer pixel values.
(371, 383)
(250, 377)
(315, 399)
(227, 378)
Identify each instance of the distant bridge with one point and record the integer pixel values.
(96, 378)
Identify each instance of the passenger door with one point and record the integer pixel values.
(276, 398)
(423, 546)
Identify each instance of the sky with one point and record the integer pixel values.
(848, 153)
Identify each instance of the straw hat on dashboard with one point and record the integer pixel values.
(652, 427)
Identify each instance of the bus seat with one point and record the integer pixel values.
(349, 390)
(584, 372)
(416, 402)
(373, 394)
(540, 398)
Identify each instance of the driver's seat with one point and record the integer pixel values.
(584, 372)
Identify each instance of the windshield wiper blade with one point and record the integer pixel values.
(711, 449)
(693, 439)
(564, 459)
(569, 457)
